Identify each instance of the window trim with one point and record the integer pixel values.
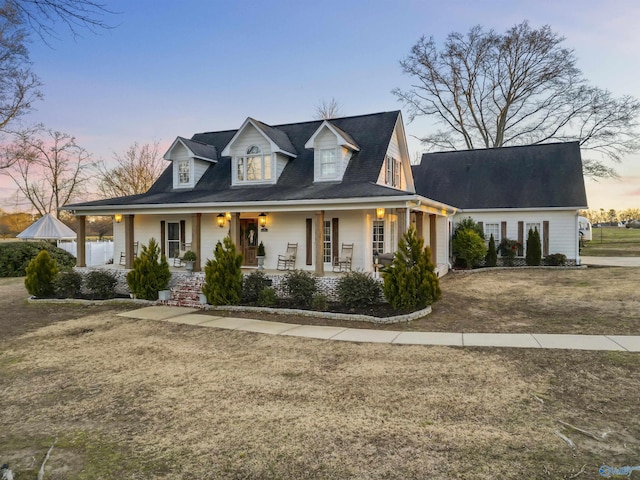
(378, 237)
(180, 173)
(487, 234)
(241, 163)
(393, 172)
(322, 162)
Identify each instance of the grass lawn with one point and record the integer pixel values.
(613, 242)
(140, 399)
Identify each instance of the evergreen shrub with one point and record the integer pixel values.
(555, 259)
(253, 285)
(268, 297)
(68, 284)
(533, 256)
(469, 248)
(358, 289)
(101, 284)
(15, 256)
(41, 273)
(223, 276)
(150, 272)
(491, 259)
(300, 286)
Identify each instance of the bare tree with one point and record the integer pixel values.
(327, 110)
(135, 171)
(49, 168)
(522, 87)
(19, 87)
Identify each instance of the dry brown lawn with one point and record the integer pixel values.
(141, 399)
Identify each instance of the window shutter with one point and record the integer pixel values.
(309, 241)
(183, 232)
(503, 230)
(481, 225)
(520, 238)
(396, 173)
(335, 239)
(163, 238)
(386, 169)
(545, 238)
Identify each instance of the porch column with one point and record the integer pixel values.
(81, 238)
(196, 228)
(128, 241)
(402, 221)
(433, 237)
(234, 229)
(420, 224)
(320, 243)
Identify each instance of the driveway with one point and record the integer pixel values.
(611, 261)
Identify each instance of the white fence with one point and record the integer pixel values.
(97, 253)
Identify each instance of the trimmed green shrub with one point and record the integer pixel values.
(508, 249)
(15, 256)
(555, 259)
(150, 272)
(533, 256)
(223, 276)
(469, 248)
(253, 285)
(41, 273)
(101, 284)
(491, 260)
(468, 224)
(300, 286)
(319, 302)
(358, 289)
(410, 282)
(268, 297)
(68, 284)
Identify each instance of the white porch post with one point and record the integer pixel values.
(319, 241)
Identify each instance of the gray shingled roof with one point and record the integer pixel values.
(344, 134)
(278, 137)
(534, 176)
(371, 132)
(200, 149)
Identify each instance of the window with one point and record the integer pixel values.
(184, 172)
(378, 236)
(492, 229)
(392, 172)
(327, 241)
(173, 239)
(254, 167)
(532, 226)
(328, 163)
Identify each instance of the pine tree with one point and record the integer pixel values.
(41, 273)
(150, 272)
(410, 283)
(491, 260)
(223, 276)
(534, 249)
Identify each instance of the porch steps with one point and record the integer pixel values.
(186, 293)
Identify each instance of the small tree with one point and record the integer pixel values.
(468, 224)
(534, 248)
(410, 282)
(223, 276)
(150, 272)
(41, 274)
(469, 247)
(491, 260)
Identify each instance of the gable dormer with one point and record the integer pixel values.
(258, 153)
(396, 167)
(332, 150)
(190, 159)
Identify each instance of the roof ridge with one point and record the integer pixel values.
(501, 148)
(336, 118)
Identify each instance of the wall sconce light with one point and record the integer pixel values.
(220, 219)
(262, 220)
(379, 213)
(227, 215)
(117, 217)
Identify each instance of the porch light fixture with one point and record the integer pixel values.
(262, 220)
(220, 219)
(227, 215)
(379, 213)
(117, 217)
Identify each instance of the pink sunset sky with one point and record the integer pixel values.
(177, 68)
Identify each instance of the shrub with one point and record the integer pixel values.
(15, 256)
(150, 272)
(101, 284)
(223, 277)
(319, 302)
(469, 247)
(261, 250)
(410, 282)
(68, 284)
(253, 285)
(358, 289)
(41, 273)
(491, 260)
(300, 287)
(468, 224)
(508, 249)
(189, 256)
(267, 297)
(533, 256)
(555, 259)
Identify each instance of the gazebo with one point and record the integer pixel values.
(47, 228)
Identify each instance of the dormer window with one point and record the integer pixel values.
(255, 166)
(184, 172)
(328, 163)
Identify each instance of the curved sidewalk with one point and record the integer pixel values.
(622, 343)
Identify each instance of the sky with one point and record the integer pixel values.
(169, 69)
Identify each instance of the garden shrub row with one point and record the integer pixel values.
(15, 257)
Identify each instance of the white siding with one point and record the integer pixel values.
(249, 136)
(178, 154)
(281, 163)
(199, 167)
(394, 151)
(326, 139)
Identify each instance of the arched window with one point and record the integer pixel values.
(255, 166)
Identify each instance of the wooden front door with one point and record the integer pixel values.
(249, 240)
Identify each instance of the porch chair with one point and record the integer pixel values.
(343, 262)
(123, 255)
(288, 260)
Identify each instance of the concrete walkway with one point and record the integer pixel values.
(188, 316)
(611, 261)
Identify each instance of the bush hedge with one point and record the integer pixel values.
(15, 256)
(358, 289)
(300, 286)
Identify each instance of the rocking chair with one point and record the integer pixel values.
(123, 255)
(288, 260)
(343, 262)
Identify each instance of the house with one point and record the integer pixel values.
(317, 185)
(510, 190)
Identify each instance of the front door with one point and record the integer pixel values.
(249, 240)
